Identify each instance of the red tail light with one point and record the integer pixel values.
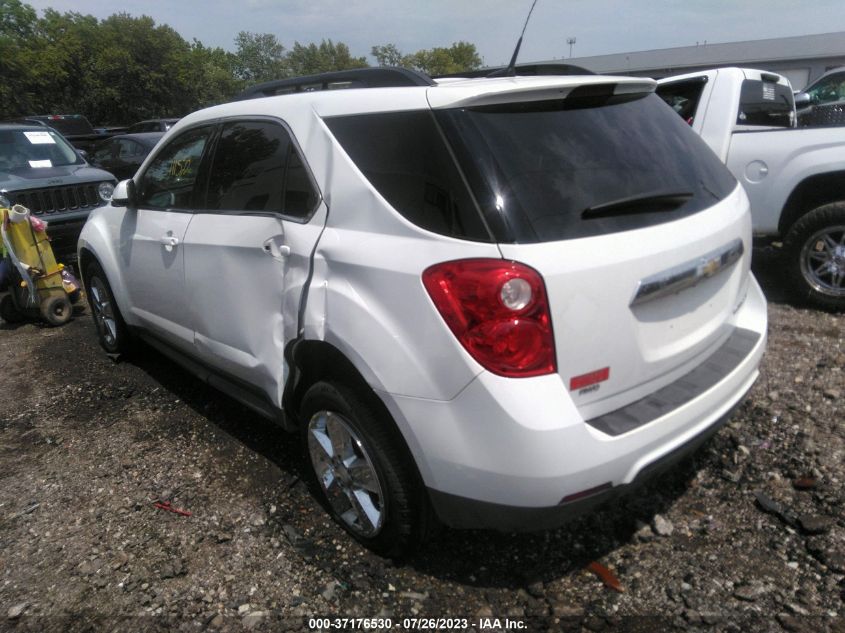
(499, 312)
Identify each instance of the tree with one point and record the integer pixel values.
(328, 56)
(259, 57)
(459, 57)
(387, 55)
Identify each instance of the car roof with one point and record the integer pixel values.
(451, 93)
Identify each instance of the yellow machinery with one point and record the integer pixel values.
(38, 285)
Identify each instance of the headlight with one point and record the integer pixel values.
(5, 202)
(106, 189)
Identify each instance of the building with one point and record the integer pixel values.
(802, 58)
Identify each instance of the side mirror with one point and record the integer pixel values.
(802, 100)
(83, 154)
(124, 194)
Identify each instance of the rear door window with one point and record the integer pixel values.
(170, 180)
(765, 103)
(257, 167)
(583, 166)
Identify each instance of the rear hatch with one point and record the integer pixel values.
(641, 235)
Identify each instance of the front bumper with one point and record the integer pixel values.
(507, 454)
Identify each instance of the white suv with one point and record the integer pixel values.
(492, 302)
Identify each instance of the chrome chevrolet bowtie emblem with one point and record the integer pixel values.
(688, 274)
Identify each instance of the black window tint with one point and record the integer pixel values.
(765, 103)
(583, 166)
(404, 157)
(683, 96)
(257, 168)
(170, 179)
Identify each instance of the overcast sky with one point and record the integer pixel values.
(600, 26)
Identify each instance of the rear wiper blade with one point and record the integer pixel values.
(643, 203)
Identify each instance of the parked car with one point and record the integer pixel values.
(123, 154)
(823, 102)
(151, 125)
(42, 171)
(793, 177)
(75, 128)
(492, 302)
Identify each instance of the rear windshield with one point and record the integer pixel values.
(583, 166)
(34, 149)
(765, 103)
(70, 125)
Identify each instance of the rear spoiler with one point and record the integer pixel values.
(499, 94)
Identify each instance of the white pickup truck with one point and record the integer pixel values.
(795, 178)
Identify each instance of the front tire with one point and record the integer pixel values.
(362, 470)
(112, 332)
(815, 251)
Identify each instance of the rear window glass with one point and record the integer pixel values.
(583, 166)
(765, 103)
(405, 158)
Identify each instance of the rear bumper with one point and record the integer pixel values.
(462, 512)
(509, 454)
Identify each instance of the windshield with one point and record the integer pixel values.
(35, 149)
(581, 166)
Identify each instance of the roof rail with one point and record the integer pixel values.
(523, 70)
(379, 77)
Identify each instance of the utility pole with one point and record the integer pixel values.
(571, 42)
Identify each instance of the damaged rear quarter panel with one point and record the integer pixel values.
(366, 296)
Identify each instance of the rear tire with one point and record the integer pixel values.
(56, 310)
(362, 470)
(8, 311)
(112, 332)
(815, 252)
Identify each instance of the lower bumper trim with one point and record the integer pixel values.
(462, 512)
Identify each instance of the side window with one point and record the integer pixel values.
(103, 152)
(170, 179)
(128, 148)
(683, 96)
(829, 89)
(404, 157)
(257, 168)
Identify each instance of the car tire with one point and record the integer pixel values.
(112, 332)
(9, 311)
(362, 470)
(56, 310)
(815, 256)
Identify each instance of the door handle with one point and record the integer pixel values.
(169, 242)
(276, 250)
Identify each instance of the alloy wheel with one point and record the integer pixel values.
(346, 473)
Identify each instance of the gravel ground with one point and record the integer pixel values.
(748, 535)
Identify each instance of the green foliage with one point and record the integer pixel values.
(459, 57)
(124, 68)
(259, 57)
(328, 56)
(387, 55)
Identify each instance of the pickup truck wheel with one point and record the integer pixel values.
(112, 332)
(815, 248)
(361, 471)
